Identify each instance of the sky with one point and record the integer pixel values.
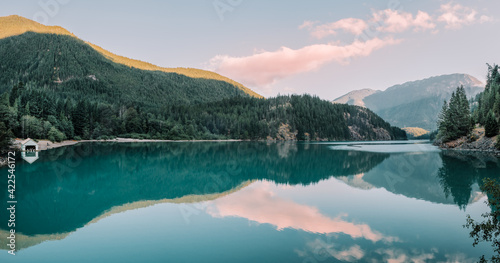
(323, 47)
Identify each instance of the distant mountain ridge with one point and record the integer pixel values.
(15, 25)
(356, 97)
(414, 103)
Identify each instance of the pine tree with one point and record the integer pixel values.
(14, 93)
(5, 137)
(454, 120)
(443, 121)
(491, 125)
(79, 119)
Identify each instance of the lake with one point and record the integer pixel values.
(247, 202)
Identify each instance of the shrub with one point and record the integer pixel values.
(473, 137)
(55, 135)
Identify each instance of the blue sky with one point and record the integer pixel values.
(321, 47)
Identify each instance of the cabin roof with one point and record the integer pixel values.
(26, 141)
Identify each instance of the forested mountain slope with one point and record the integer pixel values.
(16, 25)
(56, 86)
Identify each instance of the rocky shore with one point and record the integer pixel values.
(476, 142)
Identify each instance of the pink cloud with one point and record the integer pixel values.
(260, 204)
(267, 67)
(264, 68)
(307, 24)
(352, 254)
(352, 25)
(394, 21)
(423, 21)
(388, 20)
(456, 16)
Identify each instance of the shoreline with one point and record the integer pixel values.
(485, 151)
(477, 142)
(47, 145)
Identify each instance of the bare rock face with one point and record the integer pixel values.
(382, 134)
(354, 131)
(285, 134)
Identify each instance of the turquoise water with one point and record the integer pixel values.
(247, 202)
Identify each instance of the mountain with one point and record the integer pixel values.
(55, 86)
(355, 97)
(70, 68)
(16, 25)
(415, 103)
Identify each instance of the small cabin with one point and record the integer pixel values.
(29, 145)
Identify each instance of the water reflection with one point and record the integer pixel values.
(259, 203)
(69, 187)
(446, 178)
(461, 174)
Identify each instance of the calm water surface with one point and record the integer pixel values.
(247, 202)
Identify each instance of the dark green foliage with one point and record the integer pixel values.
(55, 135)
(489, 100)
(70, 68)
(489, 229)
(491, 125)
(487, 112)
(251, 118)
(5, 138)
(433, 135)
(454, 120)
(233, 118)
(8, 119)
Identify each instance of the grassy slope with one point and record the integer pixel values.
(16, 25)
(415, 131)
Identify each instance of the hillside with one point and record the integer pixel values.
(56, 87)
(417, 103)
(415, 132)
(16, 25)
(68, 67)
